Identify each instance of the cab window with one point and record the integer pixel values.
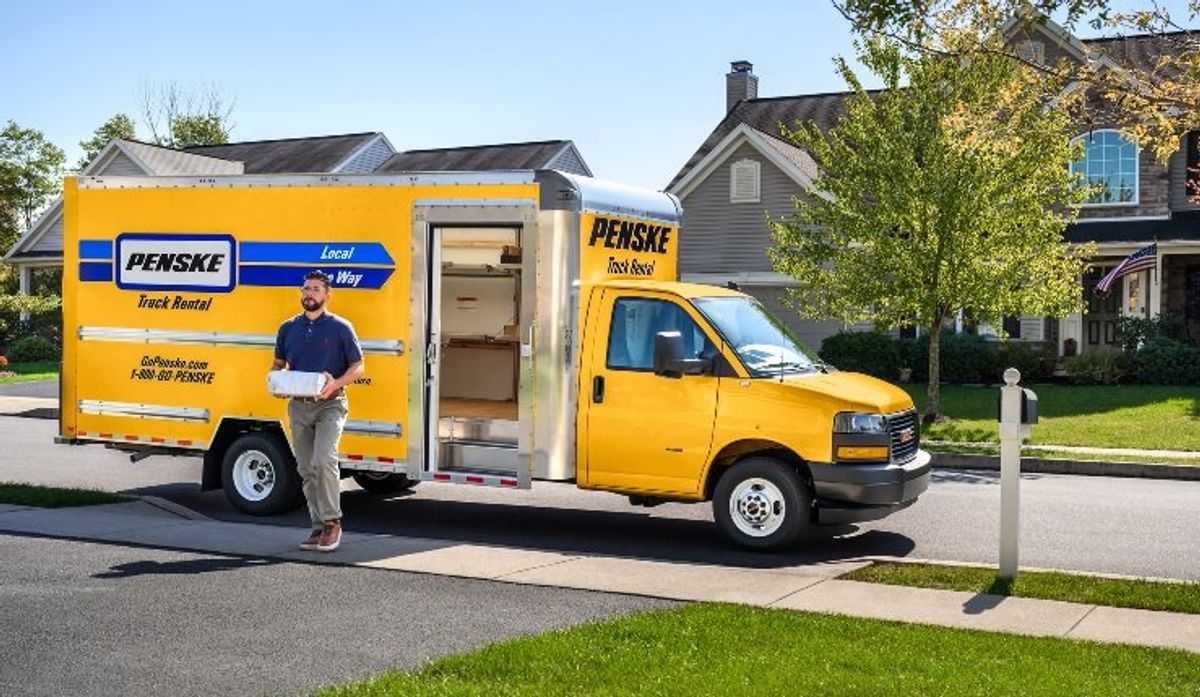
(635, 321)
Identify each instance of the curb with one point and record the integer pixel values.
(1091, 468)
(173, 508)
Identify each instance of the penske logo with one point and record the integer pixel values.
(183, 262)
(629, 235)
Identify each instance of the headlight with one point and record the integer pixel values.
(852, 422)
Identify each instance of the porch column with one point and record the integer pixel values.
(25, 281)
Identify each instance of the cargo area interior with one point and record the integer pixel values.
(479, 347)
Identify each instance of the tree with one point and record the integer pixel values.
(1151, 93)
(179, 118)
(949, 189)
(30, 175)
(119, 126)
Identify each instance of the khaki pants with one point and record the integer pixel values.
(316, 430)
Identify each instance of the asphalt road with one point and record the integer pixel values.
(93, 619)
(1096, 524)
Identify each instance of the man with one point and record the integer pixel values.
(318, 341)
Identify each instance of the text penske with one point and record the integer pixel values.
(630, 235)
(175, 261)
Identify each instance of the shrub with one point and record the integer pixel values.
(45, 318)
(1135, 332)
(872, 353)
(1030, 359)
(963, 358)
(3, 362)
(1098, 368)
(1163, 361)
(34, 348)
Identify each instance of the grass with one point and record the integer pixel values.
(52, 497)
(29, 372)
(708, 649)
(1103, 416)
(1073, 588)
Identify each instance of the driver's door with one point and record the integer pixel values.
(646, 432)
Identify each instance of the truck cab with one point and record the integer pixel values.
(692, 392)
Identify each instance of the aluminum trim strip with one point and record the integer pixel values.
(394, 347)
(471, 179)
(142, 411)
(374, 428)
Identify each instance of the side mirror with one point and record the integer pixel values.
(669, 361)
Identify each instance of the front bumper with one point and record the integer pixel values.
(858, 493)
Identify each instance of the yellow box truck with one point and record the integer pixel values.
(516, 326)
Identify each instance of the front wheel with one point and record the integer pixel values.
(383, 482)
(762, 504)
(259, 476)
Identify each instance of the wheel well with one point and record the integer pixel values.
(733, 453)
(229, 431)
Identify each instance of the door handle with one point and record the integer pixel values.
(598, 389)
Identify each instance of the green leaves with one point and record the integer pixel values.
(30, 175)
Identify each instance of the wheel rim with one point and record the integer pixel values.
(253, 475)
(756, 507)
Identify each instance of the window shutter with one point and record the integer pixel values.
(744, 181)
(1193, 166)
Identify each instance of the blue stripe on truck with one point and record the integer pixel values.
(96, 271)
(315, 253)
(95, 249)
(293, 276)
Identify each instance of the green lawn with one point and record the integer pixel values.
(1119, 416)
(1072, 588)
(51, 497)
(1048, 453)
(710, 649)
(28, 372)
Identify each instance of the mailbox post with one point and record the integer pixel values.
(1018, 411)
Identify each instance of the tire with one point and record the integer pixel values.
(762, 504)
(383, 482)
(259, 475)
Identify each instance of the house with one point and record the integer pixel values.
(39, 250)
(744, 171)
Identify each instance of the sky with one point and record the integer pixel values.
(636, 85)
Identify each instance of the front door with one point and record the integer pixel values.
(1100, 318)
(646, 432)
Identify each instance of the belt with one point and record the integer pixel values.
(314, 400)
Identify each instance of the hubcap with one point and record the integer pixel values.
(756, 507)
(253, 475)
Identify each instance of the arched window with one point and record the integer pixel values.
(1110, 162)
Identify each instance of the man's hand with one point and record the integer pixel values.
(331, 386)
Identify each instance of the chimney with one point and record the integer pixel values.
(741, 83)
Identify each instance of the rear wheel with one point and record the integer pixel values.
(762, 504)
(259, 475)
(383, 482)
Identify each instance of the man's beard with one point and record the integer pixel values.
(311, 304)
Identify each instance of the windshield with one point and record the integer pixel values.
(765, 346)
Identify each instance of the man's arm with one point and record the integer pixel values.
(353, 372)
(278, 364)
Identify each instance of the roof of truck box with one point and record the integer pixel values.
(686, 290)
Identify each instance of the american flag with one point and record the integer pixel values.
(1144, 258)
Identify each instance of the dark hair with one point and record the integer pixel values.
(320, 276)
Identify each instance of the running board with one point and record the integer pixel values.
(502, 480)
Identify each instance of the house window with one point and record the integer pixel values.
(1032, 52)
(1110, 163)
(744, 181)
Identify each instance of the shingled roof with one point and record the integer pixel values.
(289, 155)
(502, 156)
(769, 115)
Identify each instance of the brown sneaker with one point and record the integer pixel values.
(331, 536)
(313, 540)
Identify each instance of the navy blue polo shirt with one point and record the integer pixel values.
(325, 344)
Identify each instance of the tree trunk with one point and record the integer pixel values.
(933, 406)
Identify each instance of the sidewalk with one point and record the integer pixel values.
(156, 523)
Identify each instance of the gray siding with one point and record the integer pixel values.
(122, 166)
(370, 158)
(568, 161)
(719, 236)
(52, 240)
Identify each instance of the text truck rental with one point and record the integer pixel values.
(516, 326)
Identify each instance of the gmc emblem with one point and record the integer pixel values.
(907, 434)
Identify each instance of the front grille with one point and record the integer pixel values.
(903, 424)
